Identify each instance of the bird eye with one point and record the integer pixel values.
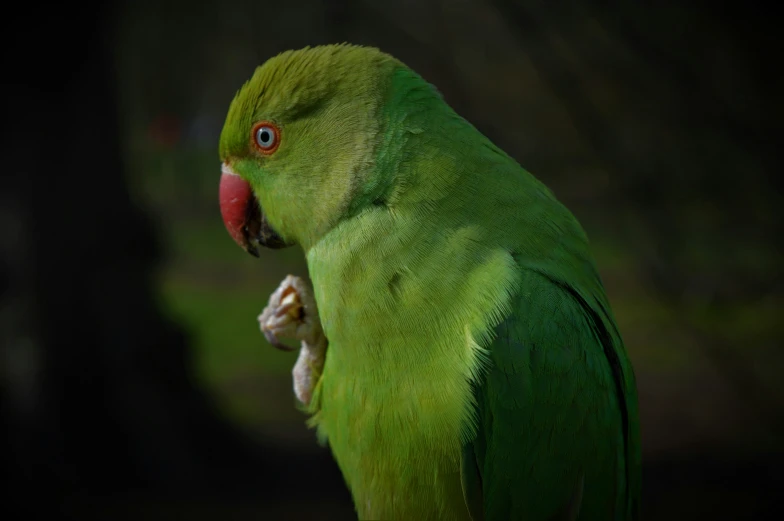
(266, 137)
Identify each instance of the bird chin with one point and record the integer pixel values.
(257, 231)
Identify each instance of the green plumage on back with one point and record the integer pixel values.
(474, 368)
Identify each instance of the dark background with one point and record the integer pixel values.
(135, 384)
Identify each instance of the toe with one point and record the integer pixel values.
(290, 305)
(274, 341)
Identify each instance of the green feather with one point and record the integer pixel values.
(474, 368)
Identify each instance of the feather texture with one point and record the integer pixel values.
(474, 369)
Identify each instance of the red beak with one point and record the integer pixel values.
(236, 198)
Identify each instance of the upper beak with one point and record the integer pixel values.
(237, 203)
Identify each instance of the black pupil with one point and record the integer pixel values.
(265, 136)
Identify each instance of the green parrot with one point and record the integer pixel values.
(458, 352)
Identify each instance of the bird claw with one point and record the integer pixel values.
(274, 342)
(289, 304)
(284, 316)
(291, 313)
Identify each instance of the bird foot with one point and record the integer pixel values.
(292, 313)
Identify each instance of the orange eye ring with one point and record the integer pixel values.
(265, 137)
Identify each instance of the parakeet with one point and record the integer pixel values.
(459, 354)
